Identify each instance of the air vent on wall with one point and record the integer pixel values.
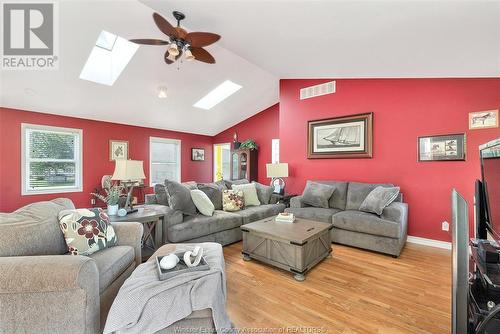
(317, 90)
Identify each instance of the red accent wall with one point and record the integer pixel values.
(262, 127)
(95, 154)
(403, 110)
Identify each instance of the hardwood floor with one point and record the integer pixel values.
(355, 291)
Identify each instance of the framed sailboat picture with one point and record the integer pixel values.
(341, 137)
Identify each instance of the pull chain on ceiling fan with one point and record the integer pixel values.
(181, 42)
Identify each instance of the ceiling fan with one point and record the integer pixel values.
(180, 41)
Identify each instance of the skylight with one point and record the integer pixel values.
(108, 59)
(217, 95)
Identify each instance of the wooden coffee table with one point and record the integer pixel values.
(295, 247)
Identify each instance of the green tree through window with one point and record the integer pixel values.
(52, 158)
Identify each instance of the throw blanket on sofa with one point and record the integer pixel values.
(145, 304)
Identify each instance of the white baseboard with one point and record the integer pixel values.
(429, 242)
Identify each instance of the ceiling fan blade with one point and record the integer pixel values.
(164, 26)
(168, 61)
(201, 39)
(181, 32)
(203, 55)
(148, 41)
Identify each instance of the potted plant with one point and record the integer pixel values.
(249, 144)
(111, 198)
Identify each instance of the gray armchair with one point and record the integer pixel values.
(42, 290)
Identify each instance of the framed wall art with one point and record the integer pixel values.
(118, 149)
(483, 119)
(341, 137)
(198, 154)
(442, 147)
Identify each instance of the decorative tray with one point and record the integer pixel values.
(180, 268)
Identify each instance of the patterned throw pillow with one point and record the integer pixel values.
(249, 193)
(86, 231)
(232, 200)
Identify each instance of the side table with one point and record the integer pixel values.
(285, 199)
(152, 220)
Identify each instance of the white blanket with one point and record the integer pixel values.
(145, 304)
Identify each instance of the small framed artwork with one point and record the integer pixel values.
(483, 119)
(118, 149)
(442, 148)
(341, 137)
(198, 154)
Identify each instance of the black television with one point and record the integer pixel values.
(480, 211)
(490, 179)
(460, 263)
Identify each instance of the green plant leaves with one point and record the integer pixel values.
(249, 144)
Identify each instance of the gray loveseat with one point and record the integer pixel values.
(385, 233)
(223, 227)
(43, 290)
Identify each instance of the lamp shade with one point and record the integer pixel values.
(128, 170)
(189, 55)
(277, 170)
(173, 50)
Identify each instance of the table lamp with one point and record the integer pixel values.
(277, 172)
(128, 172)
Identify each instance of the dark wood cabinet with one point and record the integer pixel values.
(244, 165)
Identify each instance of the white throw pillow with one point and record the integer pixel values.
(249, 193)
(202, 202)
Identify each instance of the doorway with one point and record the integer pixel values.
(222, 164)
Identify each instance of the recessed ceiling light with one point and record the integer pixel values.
(29, 91)
(217, 95)
(108, 59)
(162, 92)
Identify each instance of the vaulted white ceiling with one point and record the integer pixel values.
(262, 41)
(355, 39)
(133, 98)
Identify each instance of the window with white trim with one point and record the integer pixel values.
(51, 159)
(164, 160)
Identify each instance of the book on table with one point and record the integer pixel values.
(285, 217)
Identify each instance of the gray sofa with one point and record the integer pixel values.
(385, 233)
(223, 227)
(44, 290)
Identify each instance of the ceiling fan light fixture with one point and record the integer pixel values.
(181, 41)
(173, 49)
(189, 55)
(171, 57)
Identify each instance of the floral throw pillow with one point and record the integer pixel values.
(232, 200)
(86, 231)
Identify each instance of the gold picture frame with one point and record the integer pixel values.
(118, 149)
(483, 119)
